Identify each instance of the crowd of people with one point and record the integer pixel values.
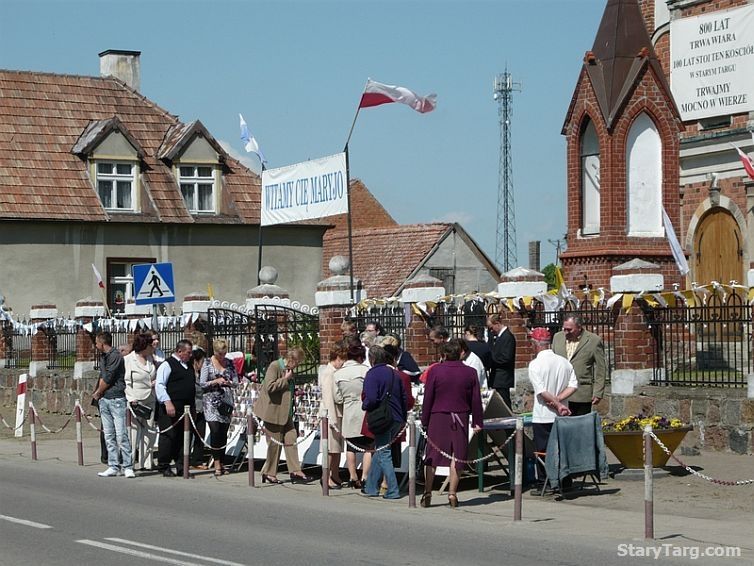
(366, 393)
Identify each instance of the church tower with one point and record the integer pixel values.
(622, 130)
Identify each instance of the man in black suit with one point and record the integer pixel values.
(503, 346)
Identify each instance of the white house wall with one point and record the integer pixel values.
(470, 273)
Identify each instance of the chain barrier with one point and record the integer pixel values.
(5, 423)
(233, 438)
(89, 420)
(449, 457)
(301, 440)
(371, 450)
(49, 431)
(696, 473)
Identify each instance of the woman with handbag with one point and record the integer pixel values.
(275, 407)
(333, 412)
(140, 378)
(451, 394)
(217, 380)
(385, 404)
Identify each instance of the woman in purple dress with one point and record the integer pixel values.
(451, 394)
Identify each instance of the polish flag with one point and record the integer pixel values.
(99, 277)
(377, 93)
(746, 160)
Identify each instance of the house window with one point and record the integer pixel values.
(590, 181)
(115, 185)
(644, 179)
(120, 282)
(198, 187)
(447, 276)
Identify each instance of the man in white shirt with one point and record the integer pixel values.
(553, 380)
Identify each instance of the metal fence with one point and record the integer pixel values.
(61, 336)
(596, 319)
(392, 319)
(454, 317)
(17, 346)
(705, 345)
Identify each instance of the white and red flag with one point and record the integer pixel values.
(377, 93)
(99, 278)
(746, 160)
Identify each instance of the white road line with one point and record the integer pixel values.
(176, 552)
(25, 522)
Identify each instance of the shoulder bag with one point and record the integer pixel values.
(380, 419)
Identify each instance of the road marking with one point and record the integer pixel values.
(152, 556)
(176, 552)
(25, 522)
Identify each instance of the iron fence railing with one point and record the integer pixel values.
(17, 346)
(392, 319)
(708, 344)
(62, 336)
(454, 317)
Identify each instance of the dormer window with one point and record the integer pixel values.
(115, 185)
(198, 187)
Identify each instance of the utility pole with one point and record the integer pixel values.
(505, 240)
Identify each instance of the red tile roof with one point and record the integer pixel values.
(384, 257)
(42, 116)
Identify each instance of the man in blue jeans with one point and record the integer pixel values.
(111, 396)
(382, 379)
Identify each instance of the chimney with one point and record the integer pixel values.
(534, 247)
(123, 65)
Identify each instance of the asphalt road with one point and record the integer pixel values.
(54, 513)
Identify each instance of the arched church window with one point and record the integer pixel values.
(590, 180)
(644, 179)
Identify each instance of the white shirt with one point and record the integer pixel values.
(552, 373)
(163, 373)
(473, 361)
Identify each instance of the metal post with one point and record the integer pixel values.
(480, 463)
(519, 469)
(325, 451)
(649, 523)
(411, 462)
(79, 438)
(250, 445)
(186, 441)
(33, 430)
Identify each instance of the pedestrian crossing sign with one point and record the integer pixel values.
(153, 283)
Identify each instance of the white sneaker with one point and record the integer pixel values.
(129, 473)
(109, 473)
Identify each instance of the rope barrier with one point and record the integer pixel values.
(5, 423)
(449, 457)
(729, 483)
(372, 450)
(301, 440)
(199, 436)
(89, 420)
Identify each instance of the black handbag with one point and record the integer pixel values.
(380, 419)
(142, 411)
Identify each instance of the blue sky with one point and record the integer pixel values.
(296, 70)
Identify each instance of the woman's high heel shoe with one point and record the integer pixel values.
(270, 479)
(303, 478)
(453, 500)
(355, 484)
(426, 499)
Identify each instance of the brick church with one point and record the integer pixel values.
(662, 98)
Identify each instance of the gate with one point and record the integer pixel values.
(268, 332)
(702, 345)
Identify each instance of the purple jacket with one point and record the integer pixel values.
(376, 383)
(452, 387)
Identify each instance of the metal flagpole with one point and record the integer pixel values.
(260, 241)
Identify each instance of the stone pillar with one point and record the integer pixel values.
(418, 290)
(5, 318)
(333, 299)
(633, 345)
(86, 311)
(40, 345)
(268, 293)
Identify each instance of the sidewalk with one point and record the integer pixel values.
(688, 510)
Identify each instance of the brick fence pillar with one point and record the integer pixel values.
(417, 290)
(40, 345)
(85, 312)
(633, 339)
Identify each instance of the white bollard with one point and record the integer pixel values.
(20, 405)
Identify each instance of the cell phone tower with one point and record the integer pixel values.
(505, 240)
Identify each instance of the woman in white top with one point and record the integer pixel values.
(334, 413)
(140, 378)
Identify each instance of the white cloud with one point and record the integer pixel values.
(247, 159)
(462, 217)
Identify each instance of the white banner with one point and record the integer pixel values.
(712, 63)
(312, 189)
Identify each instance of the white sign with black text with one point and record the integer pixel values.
(712, 63)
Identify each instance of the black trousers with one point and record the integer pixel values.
(218, 436)
(541, 436)
(170, 445)
(578, 409)
(505, 393)
(197, 448)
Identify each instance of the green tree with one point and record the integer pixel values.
(550, 278)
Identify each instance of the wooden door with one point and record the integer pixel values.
(718, 249)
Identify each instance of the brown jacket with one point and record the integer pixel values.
(274, 402)
(588, 363)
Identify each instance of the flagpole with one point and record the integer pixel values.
(260, 241)
(350, 229)
(358, 109)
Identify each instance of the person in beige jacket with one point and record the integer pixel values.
(349, 383)
(328, 408)
(140, 378)
(275, 407)
(586, 352)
